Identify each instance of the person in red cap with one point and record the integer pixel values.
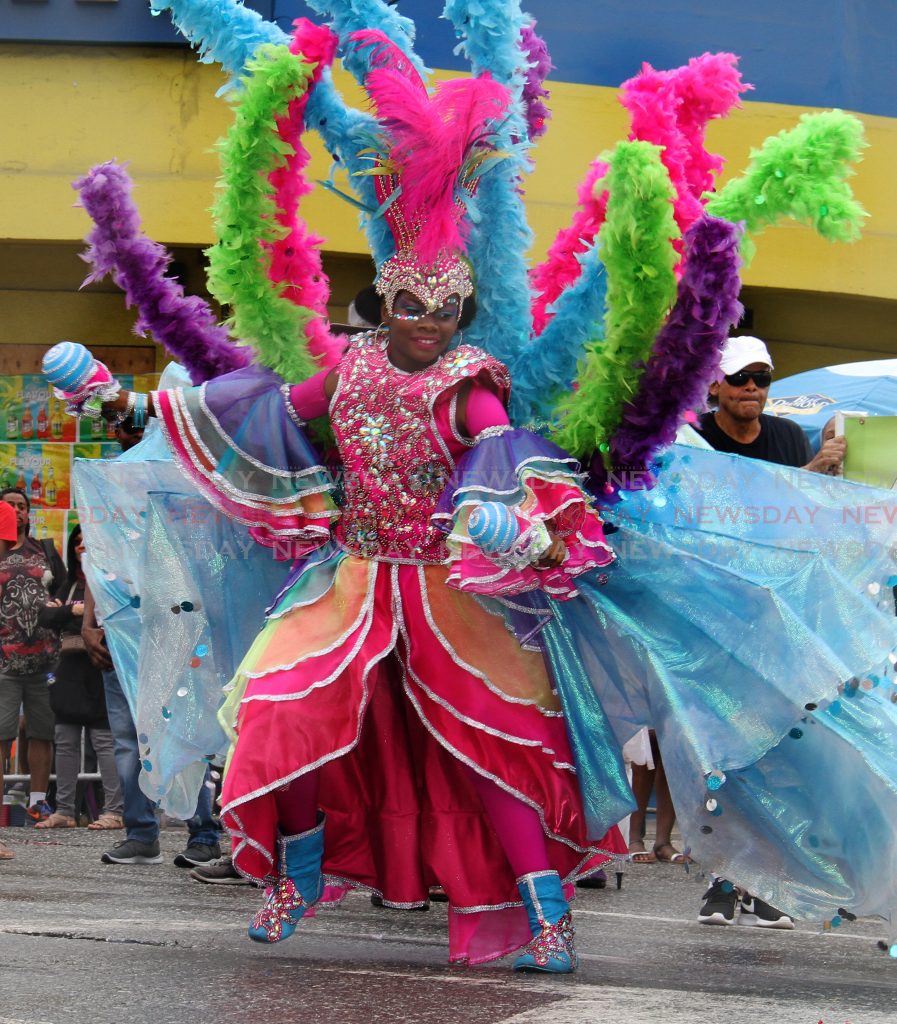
(28, 650)
(8, 527)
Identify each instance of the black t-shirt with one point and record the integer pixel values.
(26, 647)
(780, 441)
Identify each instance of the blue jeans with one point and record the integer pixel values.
(139, 811)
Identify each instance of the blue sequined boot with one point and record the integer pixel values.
(550, 922)
(299, 886)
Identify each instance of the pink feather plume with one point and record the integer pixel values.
(670, 109)
(296, 257)
(431, 138)
(385, 54)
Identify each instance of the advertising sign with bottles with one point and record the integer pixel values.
(31, 412)
(96, 450)
(38, 442)
(42, 471)
(54, 524)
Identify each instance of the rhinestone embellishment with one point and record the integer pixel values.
(555, 941)
(280, 903)
(395, 464)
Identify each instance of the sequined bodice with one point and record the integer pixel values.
(395, 459)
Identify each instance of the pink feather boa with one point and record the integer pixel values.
(296, 257)
(672, 110)
(561, 267)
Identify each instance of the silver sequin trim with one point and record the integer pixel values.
(228, 440)
(459, 661)
(453, 423)
(217, 480)
(210, 491)
(496, 431)
(290, 408)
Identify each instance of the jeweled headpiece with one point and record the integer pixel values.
(432, 285)
(432, 282)
(432, 149)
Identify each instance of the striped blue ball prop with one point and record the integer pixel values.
(492, 527)
(67, 365)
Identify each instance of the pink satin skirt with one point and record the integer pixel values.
(389, 682)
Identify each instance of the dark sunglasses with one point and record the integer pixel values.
(762, 378)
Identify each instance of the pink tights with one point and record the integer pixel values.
(518, 826)
(297, 805)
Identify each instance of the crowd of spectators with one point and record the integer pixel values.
(50, 693)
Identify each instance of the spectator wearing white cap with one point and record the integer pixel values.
(738, 425)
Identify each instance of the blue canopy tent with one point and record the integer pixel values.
(813, 397)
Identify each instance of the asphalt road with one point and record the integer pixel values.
(89, 943)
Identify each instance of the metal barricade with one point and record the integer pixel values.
(15, 781)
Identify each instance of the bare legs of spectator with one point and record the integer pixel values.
(5, 747)
(643, 780)
(642, 784)
(40, 758)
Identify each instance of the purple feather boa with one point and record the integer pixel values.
(683, 362)
(534, 92)
(185, 325)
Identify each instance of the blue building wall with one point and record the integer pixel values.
(806, 52)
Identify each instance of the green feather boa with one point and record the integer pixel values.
(244, 214)
(641, 286)
(800, 173)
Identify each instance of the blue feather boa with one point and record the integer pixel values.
(496, 249)
(223, 31)
(227, 33)
(489, 31)
(548, 365)
(500, 236)
(348, 16)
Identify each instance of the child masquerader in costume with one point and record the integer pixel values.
(443, 684)
(391, 732)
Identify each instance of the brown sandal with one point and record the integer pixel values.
(5, 852)
(106, 821)
(57, 820)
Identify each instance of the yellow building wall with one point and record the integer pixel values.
(66, 108)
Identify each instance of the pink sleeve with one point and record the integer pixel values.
(484, 409)
(308, 399)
